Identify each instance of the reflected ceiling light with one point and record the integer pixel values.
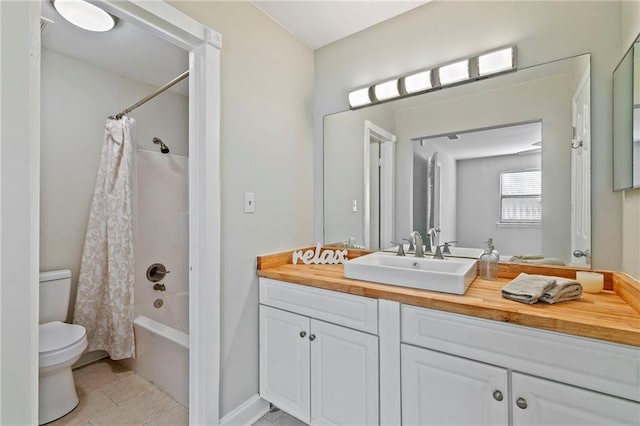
(496, 61)
(417, 82)
(359, 97)
(454, 73)
(484, 65)
(386, 90)
(85, 15)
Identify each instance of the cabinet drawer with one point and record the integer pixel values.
(360, 313)
(605, 367)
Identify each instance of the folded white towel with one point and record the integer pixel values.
(564, 289)
(527, 288)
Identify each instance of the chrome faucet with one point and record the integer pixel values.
(417, 240)
(433, 234)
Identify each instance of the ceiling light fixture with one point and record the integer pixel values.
(85, 15)
(488, 64)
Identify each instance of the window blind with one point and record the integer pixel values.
(521, 197)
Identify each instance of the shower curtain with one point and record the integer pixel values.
(104, 301)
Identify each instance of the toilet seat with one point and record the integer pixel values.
(60, 342)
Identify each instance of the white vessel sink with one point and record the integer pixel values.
(466, 252)
(450, 275)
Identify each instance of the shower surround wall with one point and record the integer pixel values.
(77, 97)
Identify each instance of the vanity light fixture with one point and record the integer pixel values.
(359, 97)
(488, 64)
(386, 90)
(418, 82)
(496, 61)
(85, 15)
(454, 73)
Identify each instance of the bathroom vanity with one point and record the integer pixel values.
(341, 351)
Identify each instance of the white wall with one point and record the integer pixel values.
(19, 180)
(442, 31)
(162, 236)
(266, 137)
(479, 186)
(76, 99)
(631, 199)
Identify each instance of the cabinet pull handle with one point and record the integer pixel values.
(303, 333)
(521, 403)
(312, 337)
(497, 395)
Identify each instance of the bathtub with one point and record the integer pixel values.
(161, 322)
(162, 357)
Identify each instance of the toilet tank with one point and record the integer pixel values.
(55, 288)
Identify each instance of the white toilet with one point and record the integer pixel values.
(60, 347)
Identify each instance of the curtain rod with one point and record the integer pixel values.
(150, 96)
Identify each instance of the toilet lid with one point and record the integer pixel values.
(57, 335)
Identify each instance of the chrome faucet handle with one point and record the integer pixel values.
(400, 249)
(438, 253)
(446, 249)
(411, 246)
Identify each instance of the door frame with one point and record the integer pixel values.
(387, 183)
(20, 141)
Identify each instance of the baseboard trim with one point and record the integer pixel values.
(89, 358)
(246, 413)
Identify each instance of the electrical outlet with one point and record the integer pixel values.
(249, 202)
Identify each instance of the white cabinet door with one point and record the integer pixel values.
(441, 389)
(344, 376)
(543, 402)
(284, 361)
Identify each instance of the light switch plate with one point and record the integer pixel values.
(249, 202)
(354, 206)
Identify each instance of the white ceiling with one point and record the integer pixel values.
(320, 22)
(126, 50)
(516, 139)
(135, 53)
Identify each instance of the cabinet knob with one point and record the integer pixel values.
(521, 403)
(303, 333)
(312, 337)
(497, 395)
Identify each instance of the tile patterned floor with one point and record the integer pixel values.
(278, 418)
(111, 394)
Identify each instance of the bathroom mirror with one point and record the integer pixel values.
(626, 121)
(506, 157)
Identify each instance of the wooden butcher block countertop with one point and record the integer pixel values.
(612, 315)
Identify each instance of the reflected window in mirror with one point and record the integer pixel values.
(555, 97)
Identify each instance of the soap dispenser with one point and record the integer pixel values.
(493, 248)
(488, 263)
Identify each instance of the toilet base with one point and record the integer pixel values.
(57, 394)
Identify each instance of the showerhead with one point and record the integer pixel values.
(163, 148)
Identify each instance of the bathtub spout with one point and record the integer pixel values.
(159, 287)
